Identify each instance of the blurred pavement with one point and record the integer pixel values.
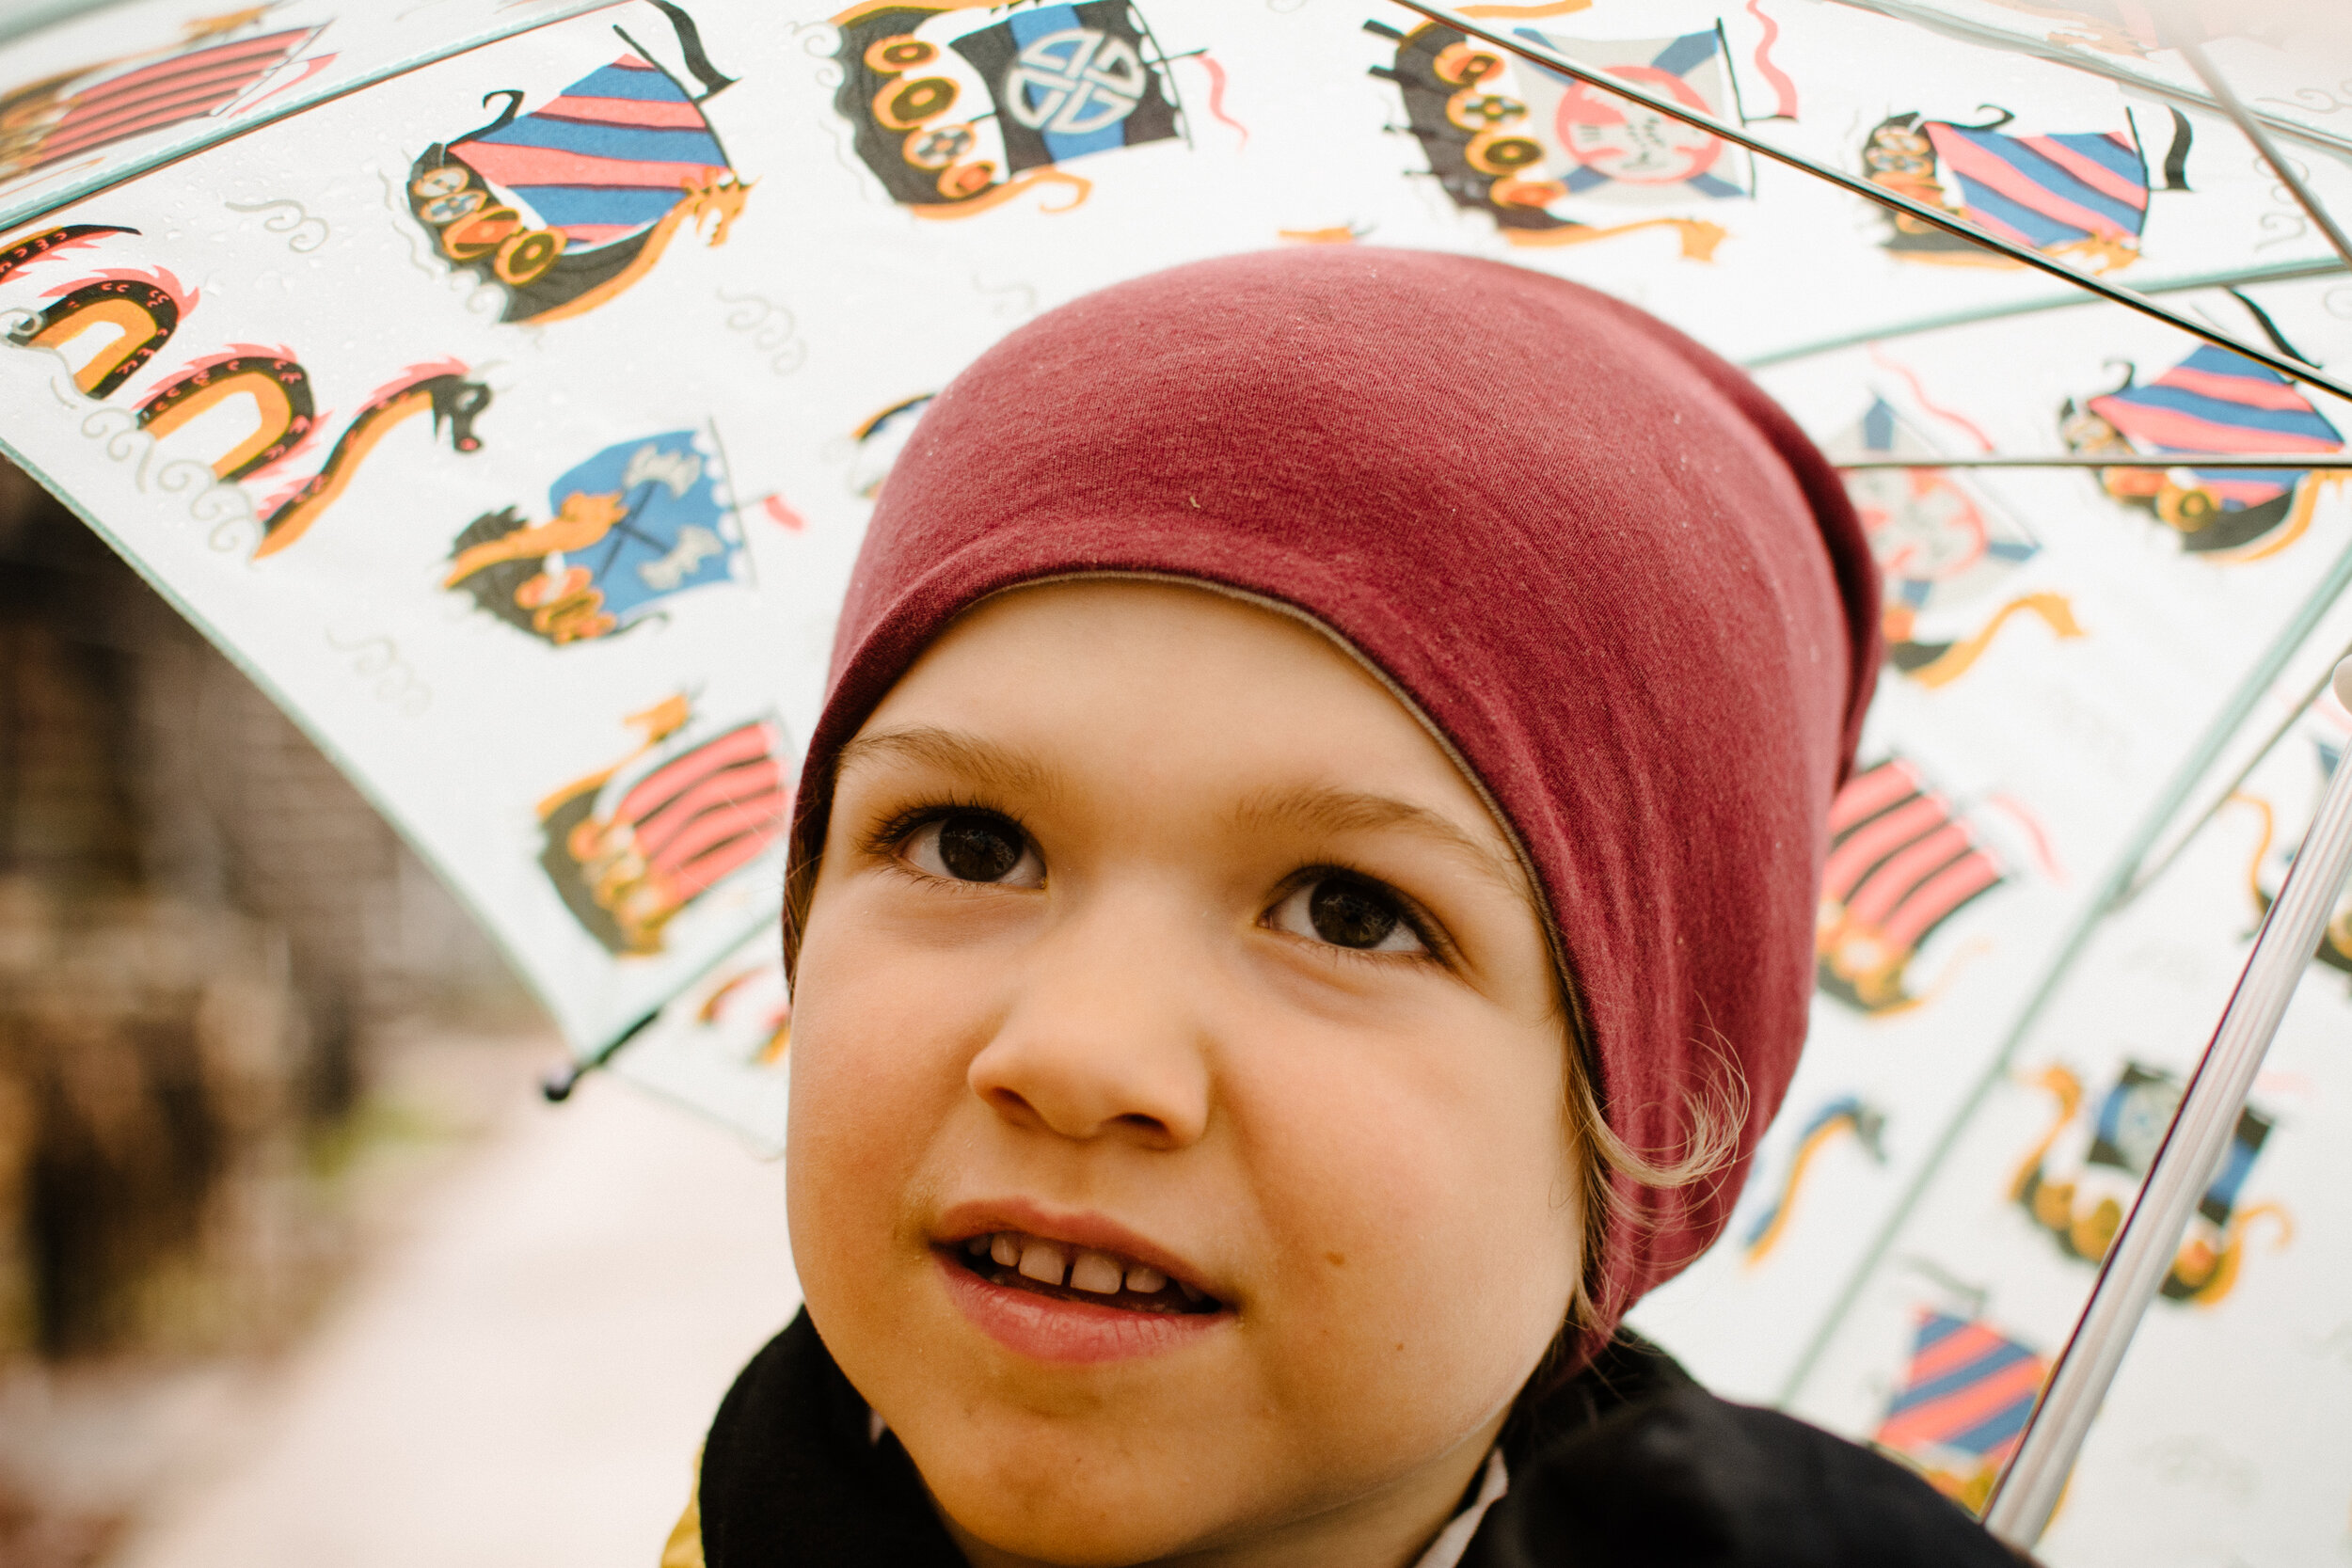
(522, 1381)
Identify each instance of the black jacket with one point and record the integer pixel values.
(1628, 1463)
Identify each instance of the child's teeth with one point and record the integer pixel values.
(1100, 1273)
(1043, 1262)
(1095, 1273)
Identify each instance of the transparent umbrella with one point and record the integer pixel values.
(505, 387)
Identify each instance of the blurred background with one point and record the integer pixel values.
(296, 1263)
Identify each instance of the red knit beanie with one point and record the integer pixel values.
(1614, 576)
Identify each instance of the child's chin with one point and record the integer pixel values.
(1075, 1545)
(1116, 1502)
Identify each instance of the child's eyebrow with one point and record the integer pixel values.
(983, 761)
(1351, 811)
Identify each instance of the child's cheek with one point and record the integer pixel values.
(874, 1073)
(1410, 1187)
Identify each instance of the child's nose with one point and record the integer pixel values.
(1101, 1040)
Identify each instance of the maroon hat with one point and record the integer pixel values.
(1613, 574)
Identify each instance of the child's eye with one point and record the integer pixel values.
(975, 847)
(1348, 911)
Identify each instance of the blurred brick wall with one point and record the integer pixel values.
(202, 928)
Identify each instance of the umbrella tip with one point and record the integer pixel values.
(558, 1085)
(2343, 683)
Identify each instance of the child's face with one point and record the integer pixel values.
(1159, 952)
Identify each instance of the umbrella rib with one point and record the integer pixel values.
(2300, 461)
(1553, 60)
(2282, 272)
(2251, 129)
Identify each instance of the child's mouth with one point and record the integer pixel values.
(1016, 1260)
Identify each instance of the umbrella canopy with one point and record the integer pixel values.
(514, 421)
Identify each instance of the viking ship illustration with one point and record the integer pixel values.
(2079, 1181)
(2082, 195)
(1514, 141)
(627, 529)
(630, 846)
(2217, 402)
(1962, 1405)
(1942, 543)
(1901, 862)
(955, 113)
(79, 113)
(1845, 1116)
(573, 203)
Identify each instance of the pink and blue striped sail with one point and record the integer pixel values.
(2220, 401)
(2047, 193)
(605, 160)
(1966, 1393)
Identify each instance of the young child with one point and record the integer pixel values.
(1302, 906)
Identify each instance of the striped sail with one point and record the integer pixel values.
(183, 87)
(1964, 1398)
(2046, 192)
(605, 160)
(699, 817)
(2220, 401)
(1901, 864)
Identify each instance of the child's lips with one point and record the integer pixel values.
(1061, 1326)
(1064, 1242)
(1067, 1287)
(1019, 1260)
